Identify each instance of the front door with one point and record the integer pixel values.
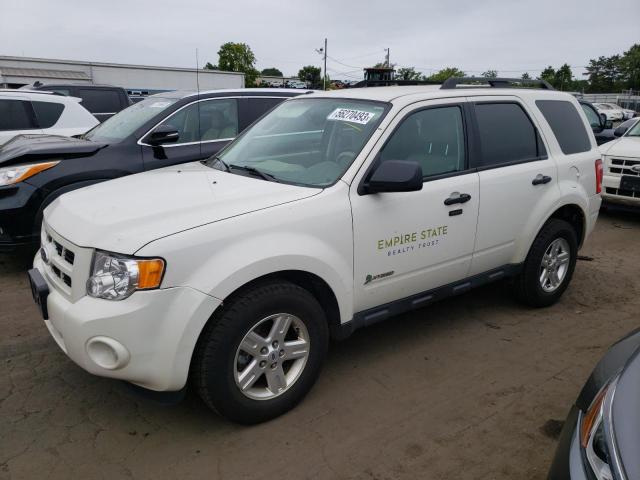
(204, 128)
(410, 242)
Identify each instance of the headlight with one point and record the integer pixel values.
(116, 277)
(592, 437)
(19, 173)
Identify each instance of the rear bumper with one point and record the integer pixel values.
(147, 339)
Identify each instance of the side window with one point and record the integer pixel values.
(260, 106)
(185, 121)
(432, 137)
(100, 101)
(16, 115)
(506, 134)
(218, 119)
(47, 113)
(592, 115)
(567, 126)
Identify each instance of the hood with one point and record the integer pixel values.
(125, 214)
(30, 148)
(622, 147)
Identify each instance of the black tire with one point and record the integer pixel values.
(527, 287)
(213, 364)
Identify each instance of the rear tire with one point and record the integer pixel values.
(245, 368)
(549, 266)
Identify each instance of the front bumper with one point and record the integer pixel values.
(611, 192)
(146, 339)
(568, 461)
(19, 206)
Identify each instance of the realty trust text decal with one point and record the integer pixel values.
(409, 242)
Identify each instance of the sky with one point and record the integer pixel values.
(510, 36)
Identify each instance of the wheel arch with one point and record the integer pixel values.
(575, 216)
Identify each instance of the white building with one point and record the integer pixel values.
(18, 71)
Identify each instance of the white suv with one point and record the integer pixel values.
(334, 211)
(32, 112)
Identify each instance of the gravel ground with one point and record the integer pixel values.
(471, 388)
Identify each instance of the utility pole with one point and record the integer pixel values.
(388, 57)
(324, 78)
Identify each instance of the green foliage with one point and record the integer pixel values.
(526, 76)
(311, 75)
(490, 74)
(238, 57)
(445, 73)
(209, 66)
(408, 73)
(273, 72)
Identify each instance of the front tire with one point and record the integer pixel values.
(549, 265)
(261, 353)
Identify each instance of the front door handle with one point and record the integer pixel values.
(541, 179)
(457, 198)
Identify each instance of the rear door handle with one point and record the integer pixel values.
(541, 179)
(457, 198)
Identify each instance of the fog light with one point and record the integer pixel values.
(107, 353)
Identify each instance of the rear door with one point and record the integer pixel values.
(515, 174)
(204, 127)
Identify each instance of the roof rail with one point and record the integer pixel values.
(453, 82)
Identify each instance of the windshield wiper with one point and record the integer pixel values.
(254, 170)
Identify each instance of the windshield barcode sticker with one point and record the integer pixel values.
(349, 115)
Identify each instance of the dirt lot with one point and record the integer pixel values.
(465, 389)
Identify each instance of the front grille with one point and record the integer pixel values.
(622, 166)
(60, 260)
(62, 276)
(624, 193)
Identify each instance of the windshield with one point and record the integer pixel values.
(634, 131)
(309, 142)
(124, 123)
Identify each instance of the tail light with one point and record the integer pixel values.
(599, 175)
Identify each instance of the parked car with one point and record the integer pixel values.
(165, 129)
(601, 436)
(611, 133)
(602, 127)
(333, 212)
(103, 101)
(621, 158)
(613, 114)
(30, 112)
(626, 113)
(294, 84)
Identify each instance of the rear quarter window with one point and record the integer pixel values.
(100, 101)
(47, 113)
(16, 115)
(566, 124)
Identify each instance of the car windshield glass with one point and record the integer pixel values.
(124, 123)
(309, 142)
(635, 130)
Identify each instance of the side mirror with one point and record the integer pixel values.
(164, 133)
(603, 117)
(620, 131)
(395, 176)
(608, 124)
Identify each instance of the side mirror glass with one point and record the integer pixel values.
(395, 176)
(620, 131)
(164, 133)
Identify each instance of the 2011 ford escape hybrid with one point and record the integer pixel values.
(334, 211)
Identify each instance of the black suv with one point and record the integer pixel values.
(165, 129)
(103, 101)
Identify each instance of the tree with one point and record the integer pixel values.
(209, 66)
(408, 73)
(311, 75)
(630, 68)
(445, 73)
(238, 57)
(490, 74)
(526, 76)
(604, 74)
(549, 74)
(272, 72)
